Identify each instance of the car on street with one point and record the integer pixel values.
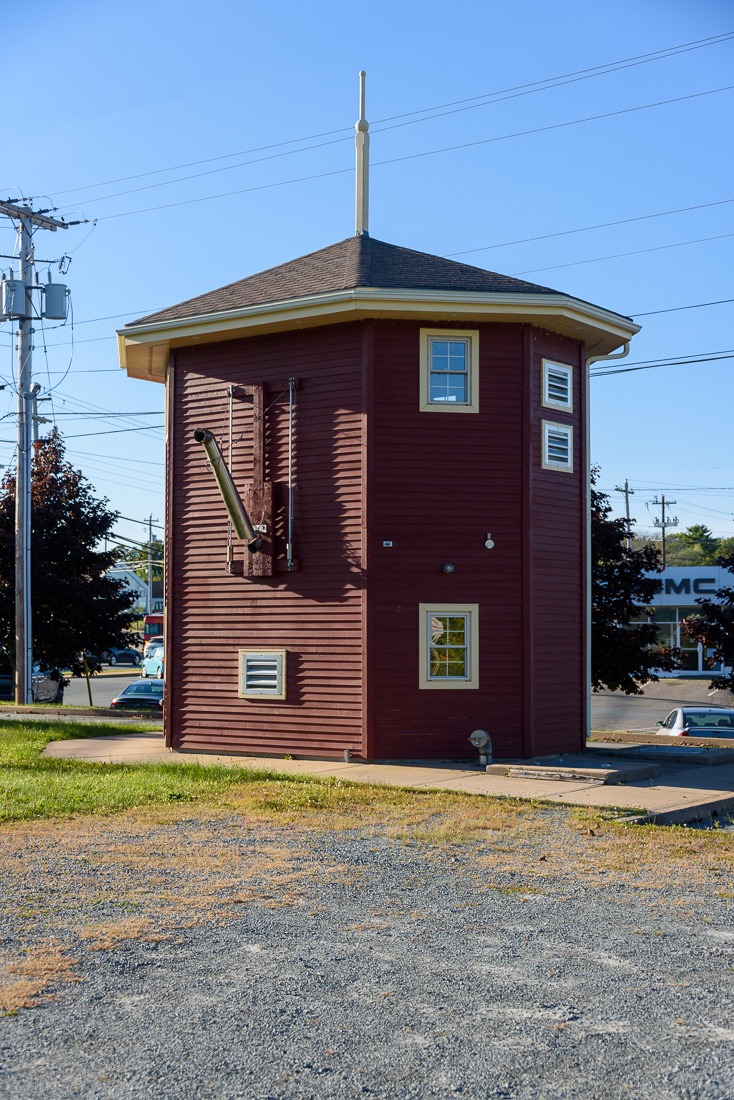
(115, 656)
(698, 722)
(153, 643)
(140, 695)
(47, 684)
(152, 664)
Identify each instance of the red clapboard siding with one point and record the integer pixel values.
(315, 614)
(439, 482)
(557, 588)
(369, 467)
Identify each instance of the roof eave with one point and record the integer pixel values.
(144, 348)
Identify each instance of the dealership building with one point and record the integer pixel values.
(680, 587)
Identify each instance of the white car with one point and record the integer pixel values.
(698, 722)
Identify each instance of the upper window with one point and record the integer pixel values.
(448, 645)
(557, 444)
(557, 386)
(449, 371)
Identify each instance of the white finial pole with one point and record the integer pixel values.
(363, 166)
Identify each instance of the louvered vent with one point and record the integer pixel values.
(262, 674)
(557, 446)
(557, 386)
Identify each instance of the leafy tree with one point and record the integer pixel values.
(140, 555)
(713, 626)
(725, 551)
(697, 545)
(75, 606)
(622, 656)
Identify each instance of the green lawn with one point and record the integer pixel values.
(33, 786)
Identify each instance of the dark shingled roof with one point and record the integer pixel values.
(355, 262)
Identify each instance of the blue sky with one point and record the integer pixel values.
(206, 143)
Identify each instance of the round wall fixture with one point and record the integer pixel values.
(448, 567)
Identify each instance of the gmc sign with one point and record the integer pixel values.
(699, 586)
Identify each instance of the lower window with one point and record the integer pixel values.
(448, 645)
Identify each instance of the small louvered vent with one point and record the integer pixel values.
(557, 446)
(557, 386)
(262, 674)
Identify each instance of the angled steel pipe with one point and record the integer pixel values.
(241, 522)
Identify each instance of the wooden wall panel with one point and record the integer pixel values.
(557, 588)
(314, 613)
(440, 482)
(371, 468)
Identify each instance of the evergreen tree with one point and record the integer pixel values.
(75, 606)
(622, 656)
(697, 545)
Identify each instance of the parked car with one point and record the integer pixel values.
(152, 665)
(115, 656)
(698, 722)
(48, 685)
(153, 643)
(141, 695)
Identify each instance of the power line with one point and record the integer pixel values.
(622, 255)
(675, 309)
(103, 415)
(589, 228)
(470, 103)
(417, 156)
(116, 458)
(685, 362)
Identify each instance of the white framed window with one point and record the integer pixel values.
(557, 384)
(262, 673)
(448, 645)
(557, 446)
(449, 364)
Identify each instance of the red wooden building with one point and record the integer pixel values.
(409, 438)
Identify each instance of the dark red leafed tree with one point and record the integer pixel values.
(75, 606)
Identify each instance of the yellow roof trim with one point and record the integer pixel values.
(144, 348)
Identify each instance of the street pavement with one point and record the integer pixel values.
(104, 687)
(612, 710)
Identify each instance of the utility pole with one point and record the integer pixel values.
(17, 303)
(627, 493)
(664, 521)
(149, 601)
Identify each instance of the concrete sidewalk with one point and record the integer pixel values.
(675, 790)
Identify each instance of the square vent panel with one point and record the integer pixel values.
(262, 674)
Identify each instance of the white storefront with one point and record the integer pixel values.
(681, 586)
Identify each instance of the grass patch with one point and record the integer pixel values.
(36, 786)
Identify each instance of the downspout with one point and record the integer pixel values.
(622, 354)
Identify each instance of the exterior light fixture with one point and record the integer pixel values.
(448, 567)
(481, 740)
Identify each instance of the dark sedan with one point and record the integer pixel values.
(141, 695)
(115, 656)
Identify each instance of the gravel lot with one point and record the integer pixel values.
(204, 953)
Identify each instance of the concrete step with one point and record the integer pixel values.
(604, 772)
(689, 754)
